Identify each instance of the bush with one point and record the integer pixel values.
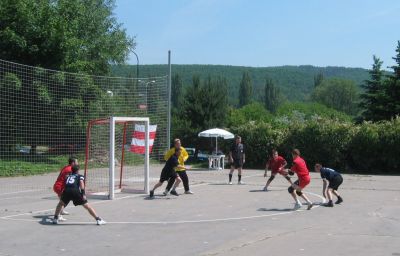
(369, 147)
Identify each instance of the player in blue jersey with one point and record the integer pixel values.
(75, 190)
(332, 180)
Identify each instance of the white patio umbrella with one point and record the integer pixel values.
(217, 133)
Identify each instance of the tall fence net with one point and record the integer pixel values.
(44, 115)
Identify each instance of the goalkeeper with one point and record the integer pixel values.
(75, 191)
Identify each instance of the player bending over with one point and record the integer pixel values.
(75, 191)
(59, 185)
(276, 164)
(168, 172)
(300, 168)
(334, 179)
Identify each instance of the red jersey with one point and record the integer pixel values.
(65, 171)
(275, 164)
(300, 167)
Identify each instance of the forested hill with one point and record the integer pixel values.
(295, 82)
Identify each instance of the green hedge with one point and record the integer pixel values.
(368, 147)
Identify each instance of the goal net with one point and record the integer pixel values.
(117, 155)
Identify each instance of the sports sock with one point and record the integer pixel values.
(239, 177)
(230, 177)
(98, 218)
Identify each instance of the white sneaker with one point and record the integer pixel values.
(61, 218)
(55, 221)
(297, 206)
(189, 192)
(230, 182)
(64, 213)
(101, 222)
(240, 182)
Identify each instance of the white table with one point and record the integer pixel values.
(216, 162)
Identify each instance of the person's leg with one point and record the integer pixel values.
(269, 181)
(185, 180)
(240, 175)
(59, 208)
(231, 173)
(339, 198)
(159, 184)
(177, 181)
(90, 210)
(171, 182)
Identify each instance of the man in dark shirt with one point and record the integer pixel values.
(237, 159)
(75, 190)
(168, 172)
(334, 179)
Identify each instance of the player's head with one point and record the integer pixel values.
(317, 167)
(73, 160)
(177, 143)
(178, 151)
(238, 139)
(274, 153)
(75, 169)
(295, 152)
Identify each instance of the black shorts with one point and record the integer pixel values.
(74, 195)
(335, 182)
(167, 174)
(237, 163)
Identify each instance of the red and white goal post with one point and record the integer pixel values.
(112, 164)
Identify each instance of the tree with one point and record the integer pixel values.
(373, 99)
(68, 35)
(318, 79)
(177, 93)
(271, 99)
(205, 106)
(393, 88)
(245, 90)
(339, 94)
(79, 36)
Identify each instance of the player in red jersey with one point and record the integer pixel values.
(300, 168)
(276, 164)
(59, 185)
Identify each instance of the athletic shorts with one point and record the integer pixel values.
(276, 172)
(58, 189)
(74, 195)
(237, 163)
(167, 174)
(335, 182)
(303, 181)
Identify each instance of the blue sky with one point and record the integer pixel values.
(262, 33)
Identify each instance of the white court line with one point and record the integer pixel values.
(23, 191)
(12, 217)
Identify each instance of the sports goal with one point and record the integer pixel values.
(117, 155)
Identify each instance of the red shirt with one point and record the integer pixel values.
(275, 164)
(300, 167)
(65, 171)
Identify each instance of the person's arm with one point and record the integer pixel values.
(169, 153)
(324, 187)
(230, 157)
(244, 157)
(184, 154)
(82, 187)
(283, 166)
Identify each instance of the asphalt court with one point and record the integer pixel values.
(219, 219)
